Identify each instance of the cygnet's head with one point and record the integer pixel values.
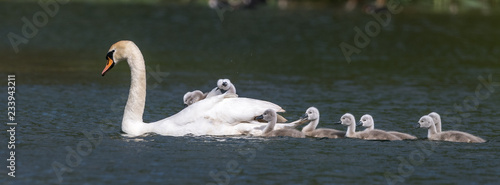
(224, 84)
(366, 120)
(268, 115)
(312, 113)
(347, 119)
(425, 122)
(192, 97)
(435, 117)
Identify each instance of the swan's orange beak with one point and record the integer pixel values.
(109, 65)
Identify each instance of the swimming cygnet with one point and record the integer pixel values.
(312, 115)
(437, 120)
(452, 135)
(270, 116)
(367, 121)
(226, 85)
(349, 121)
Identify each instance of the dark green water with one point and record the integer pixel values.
(419, 63)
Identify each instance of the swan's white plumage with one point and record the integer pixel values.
(216, 115)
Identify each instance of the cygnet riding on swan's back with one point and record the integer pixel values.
(226, 85)
(312, 115)
(349, 121)
(195, 96)
(452, 135)
(219, 115)
(367, 121)
(270, 116)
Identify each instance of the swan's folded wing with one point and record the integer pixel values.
(236, 110)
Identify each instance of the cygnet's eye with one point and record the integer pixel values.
(309, 112)
(364, 119)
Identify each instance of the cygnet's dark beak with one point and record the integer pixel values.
(417, 126)
(259, 117)
(337, 123)
(304, 117)
(224, 84)
(359, 124)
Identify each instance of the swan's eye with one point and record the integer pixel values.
(110, 54)
(364, 120)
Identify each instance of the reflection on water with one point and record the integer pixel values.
(420, 62)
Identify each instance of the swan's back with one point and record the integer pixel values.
(325, 132)
(219, 109)
(376, 134)
(457, 136)
(285, 132)
(235, 110)
(402, 135)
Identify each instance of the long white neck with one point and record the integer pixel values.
(351, 130)
(311, 126)
(270, 125)
(132, 122)
(432, 131)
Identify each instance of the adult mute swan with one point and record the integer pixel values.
(270, 116)
(218, 115)
(312, 115)
(367, 121)
(452, 135)
(349, 121)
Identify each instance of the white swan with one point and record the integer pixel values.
(437, 120)
(226, 85)
(312, 115)
(349, 121)
(367, 121)
(218, 115)
(452, 135)
(270, 116)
